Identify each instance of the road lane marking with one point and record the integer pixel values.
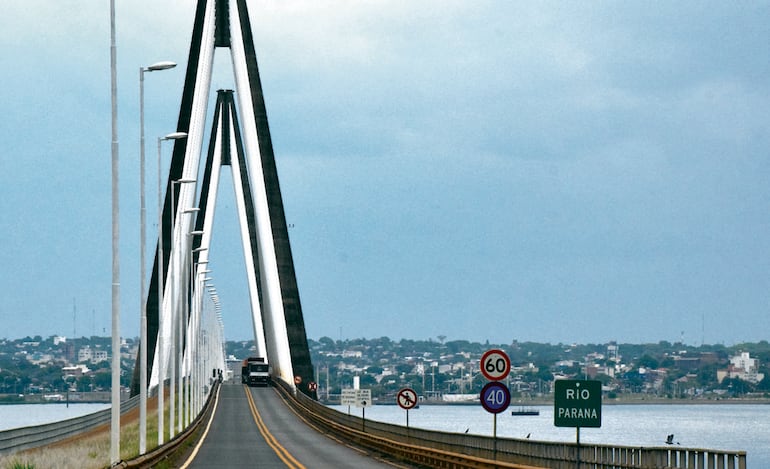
(279, 450)
(205, 433)
(329, 435)
(316, 427)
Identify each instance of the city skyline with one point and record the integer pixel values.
(547, 173)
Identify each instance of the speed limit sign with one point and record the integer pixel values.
(495, 397)
(495, 365)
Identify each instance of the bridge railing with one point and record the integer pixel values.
(19, 439)
(535, 453)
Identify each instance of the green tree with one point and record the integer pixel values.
(646, 361)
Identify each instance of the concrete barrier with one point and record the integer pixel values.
(19, 439)
(523, 452)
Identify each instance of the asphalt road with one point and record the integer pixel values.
(269, 435)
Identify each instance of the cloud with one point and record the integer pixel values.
(556, 160)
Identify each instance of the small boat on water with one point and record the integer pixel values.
(525, 411)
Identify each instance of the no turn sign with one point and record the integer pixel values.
(406, 398)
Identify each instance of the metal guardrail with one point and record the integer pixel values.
(481, 451)
(168, 450)
(19, 439)
(423, 447)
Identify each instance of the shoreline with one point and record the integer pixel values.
(626, 401)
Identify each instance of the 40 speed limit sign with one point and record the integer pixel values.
(495, 365)
(495, 397)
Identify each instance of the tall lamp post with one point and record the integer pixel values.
(181, 331)
(115, 365)
(214, 295)
(142, 262)
(192, 293)
(176, 252)
(200, 270)
(160, 342)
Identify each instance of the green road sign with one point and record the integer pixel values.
(577, 403)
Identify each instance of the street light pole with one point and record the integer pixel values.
(181, 324)
(159, 344)
(192, 351)
(215, 300)
(175, 313)
(115, 367)
(142, 262)
(197, 308)
(191, 307)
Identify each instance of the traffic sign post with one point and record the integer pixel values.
(577, 403)
(358, 398)
(363, 400)
(495, 398)
(495, 365)
(348, 398)
(363, 397)
(406, 399)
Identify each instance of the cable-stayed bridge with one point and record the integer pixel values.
(243, 143)
(185, 344)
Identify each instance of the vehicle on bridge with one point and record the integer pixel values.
(255, 372)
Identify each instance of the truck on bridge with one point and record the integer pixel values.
(255, 371)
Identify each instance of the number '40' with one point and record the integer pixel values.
(496, 398)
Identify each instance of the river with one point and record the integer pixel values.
(733, 427)
(27, 415)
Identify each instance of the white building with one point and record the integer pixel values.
(742, 367)
(87, 354)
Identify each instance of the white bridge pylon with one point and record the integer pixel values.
(246, 147)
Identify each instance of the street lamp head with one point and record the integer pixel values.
(197, 232)
(165, 65)
(175, 136)
(185, 181)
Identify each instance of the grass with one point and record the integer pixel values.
(91, 450)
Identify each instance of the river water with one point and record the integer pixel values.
(27, 415)
(739, 427)
(734, 427)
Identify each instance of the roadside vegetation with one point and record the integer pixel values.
(91, 450)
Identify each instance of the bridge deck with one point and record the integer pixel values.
(269, 435)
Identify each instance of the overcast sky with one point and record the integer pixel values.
(540, 171)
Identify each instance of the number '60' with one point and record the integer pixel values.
(495, 365)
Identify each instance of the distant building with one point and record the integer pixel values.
(743, 367)
(74, 371)
(687, 363)
(709, 358)
(87, 354)
(352, 354)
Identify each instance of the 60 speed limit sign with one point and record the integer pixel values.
(495, 365)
